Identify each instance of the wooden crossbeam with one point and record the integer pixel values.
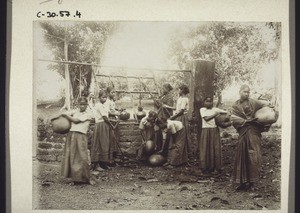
(141, 92)
(122, 76)
(99, 65)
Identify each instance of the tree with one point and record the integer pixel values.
(77, 42)
(238, 50)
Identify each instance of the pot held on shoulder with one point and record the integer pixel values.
(223, 120)
(266, 115)
(60, 125)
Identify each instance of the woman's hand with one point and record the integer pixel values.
(217, 114)
(252, 120)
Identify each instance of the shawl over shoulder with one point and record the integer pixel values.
(238, 115)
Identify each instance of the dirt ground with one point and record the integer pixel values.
(134, 186)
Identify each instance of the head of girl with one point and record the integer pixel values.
(166, 88)
(208, 102)
(183, 90)
(244, 92)
(82, 104)
(102, 96)
(111, 92)
(152, 116)
(162, 123)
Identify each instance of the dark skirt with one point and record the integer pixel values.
(101, 149)
(177, 151)
(248, 156)
(190, 148)
(75, 163)
(210, 152)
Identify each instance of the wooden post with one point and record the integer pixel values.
(80, 81)
(201, 87)
(67, 78)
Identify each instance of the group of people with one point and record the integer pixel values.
(168, 127)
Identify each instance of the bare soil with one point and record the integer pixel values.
(135, 186)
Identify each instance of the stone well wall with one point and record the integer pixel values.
(50, 145)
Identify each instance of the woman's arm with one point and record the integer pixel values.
(143, 135)
(114, 113)
(168, 107)
(105, 118)
(208, 118)
(72, 119)
(177, 114)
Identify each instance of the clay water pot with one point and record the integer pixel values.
(149, 147)
(124, 115)
(223, 120)
(157, 160)
(60, 125)
(140, 113)
(266, 115)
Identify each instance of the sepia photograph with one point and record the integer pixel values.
(157, 115)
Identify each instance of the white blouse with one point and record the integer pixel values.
(182, 103)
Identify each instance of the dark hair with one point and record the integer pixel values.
(184, 88)
(168, 86)
(163, 126)
(101, 93)
(152, 114)
(161, 123)
(207, 97)
(109, 89)
(82, 99)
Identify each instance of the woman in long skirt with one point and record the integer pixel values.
(174, 141)
(248, 154)
(113, 114)
(147, 132)
(101, 148)
(180, 114)
(210, 152)
(75, 163)
(164, 108)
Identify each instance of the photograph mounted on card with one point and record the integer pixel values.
(179, 105)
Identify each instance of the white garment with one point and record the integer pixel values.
(100, 110)
(83, 126)
(204, 112)
(174, 126)
(110, 104)
(182, 103)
